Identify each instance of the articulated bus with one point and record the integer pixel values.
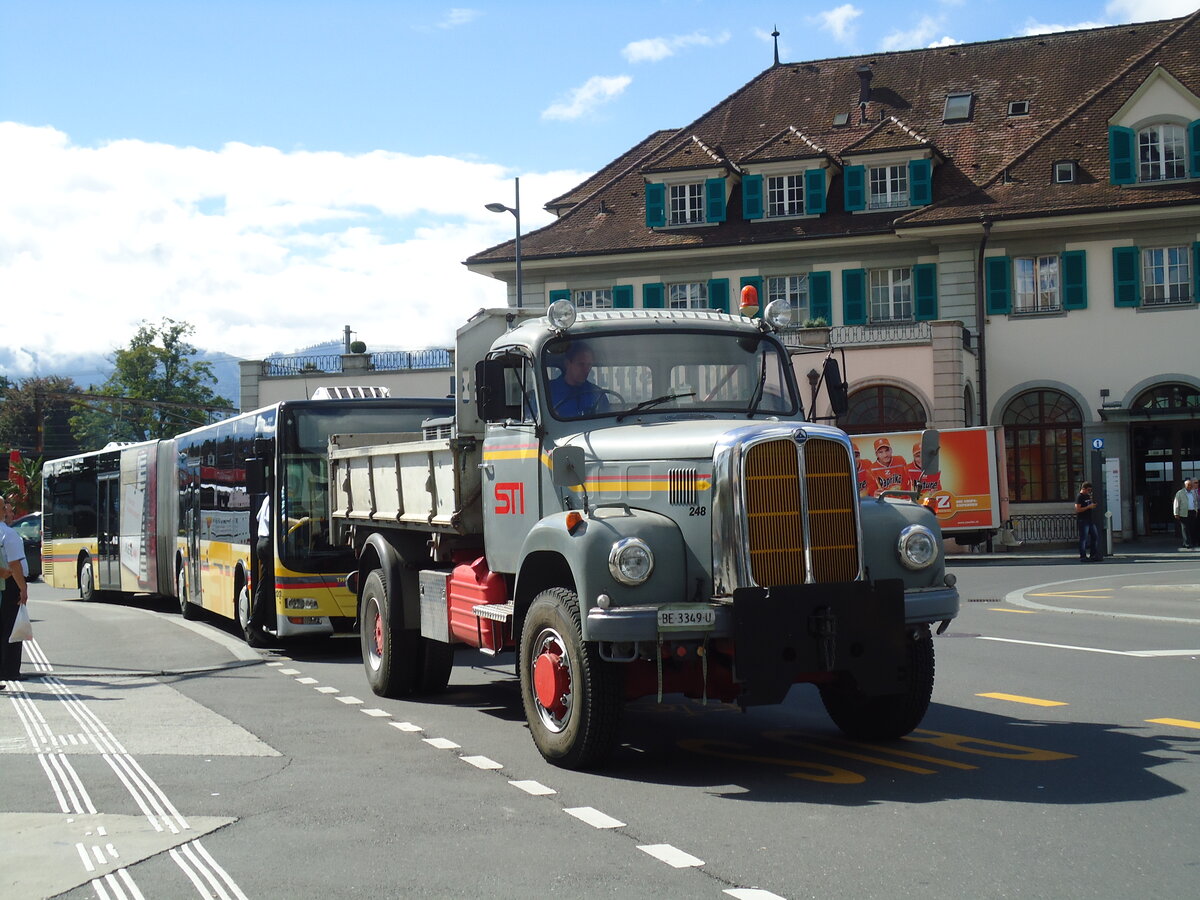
(177, 517)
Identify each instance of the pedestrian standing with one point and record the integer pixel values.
(1085, 522)
(16, 595)
(1187, 513)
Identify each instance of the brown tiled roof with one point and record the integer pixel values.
(789, 144)
(1073, 82)
(647, 147)
(687, 152)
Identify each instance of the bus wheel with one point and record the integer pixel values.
(87, 581)
(187, 609)
(251, 631)
(389, 650)
(891, 715)
(572, 698)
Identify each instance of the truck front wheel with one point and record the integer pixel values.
(891, 715)
(572, 698)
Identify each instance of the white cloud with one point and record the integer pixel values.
(659, 48)
(1032, 27)
(459, 16)
(595, 92)
(919, 35)
(261, 250)
(946, 41)
(1148, 10)
(839, 21)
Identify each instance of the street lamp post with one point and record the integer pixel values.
(515, 209)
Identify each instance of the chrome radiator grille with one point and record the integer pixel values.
(778, 490)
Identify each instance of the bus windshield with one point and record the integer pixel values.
(696, 371)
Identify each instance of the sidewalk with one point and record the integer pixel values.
(1143, 549)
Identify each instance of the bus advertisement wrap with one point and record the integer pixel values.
(966, 493)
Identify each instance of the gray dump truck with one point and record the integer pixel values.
(634, 502)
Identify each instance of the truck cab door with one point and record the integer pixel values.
(511, 467)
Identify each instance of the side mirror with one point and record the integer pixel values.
(839, 399)
(931, 447)
(256, 475)
(567, 464)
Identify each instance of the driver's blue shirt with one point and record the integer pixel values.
(568, 400)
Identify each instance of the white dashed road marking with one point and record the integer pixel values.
(441, 743)
(533, 787)
(377, 713)
(406, 726)
(594, 817)
(672, 856)
(752, 894)
(482, 762)
(348, 700)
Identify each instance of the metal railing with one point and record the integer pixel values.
(1045, 528)
(384, 361)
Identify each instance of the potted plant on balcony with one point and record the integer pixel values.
(814, 332)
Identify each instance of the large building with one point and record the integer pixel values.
(1003, 233)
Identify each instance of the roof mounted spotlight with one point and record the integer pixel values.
(562, 314)
(778, 313)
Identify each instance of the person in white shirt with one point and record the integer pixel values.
(16, 594)
(1187, 514)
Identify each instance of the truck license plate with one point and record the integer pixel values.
(697, 617)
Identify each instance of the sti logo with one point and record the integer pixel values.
(510, 498)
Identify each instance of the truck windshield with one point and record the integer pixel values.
(696, 371)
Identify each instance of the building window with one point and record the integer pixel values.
(1162, 153)
(889, 186)
(1179, 398)
(594, 298)
(1064, 172)
(1043, 437)
(793, 289)
(687, 203)
(785, 195)
(1018, 107)
(1166, 276)
(891, 295)
(690, 295)
(958, 108)
(882, 408)
(1036, 284)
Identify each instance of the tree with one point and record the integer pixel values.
(35, 417)
(157, 389)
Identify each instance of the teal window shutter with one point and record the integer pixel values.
(559, 295)
(752, 197)
(925, 301)
(757, 281)
(920, 182)
(997, 285)
(1127, 283)
(652, 295)
(854, 296)
(854, 187)
(1122, 159)
(1194, 149)
(1196, 272)
(622, 296)
(820, 296)
(714, 200)
(814, 191)
(656, 205)
(718, 294)
(1074, 279)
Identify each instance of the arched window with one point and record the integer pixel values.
(883, 408)
(1168, 397)
(1162, 153)
(969, 410)
(1043, 436)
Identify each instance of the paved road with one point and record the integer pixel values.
(159, 758)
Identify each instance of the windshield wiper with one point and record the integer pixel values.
(646, 404)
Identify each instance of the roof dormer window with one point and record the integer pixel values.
(1162, 152)
(1018, 108)
(1064, 172)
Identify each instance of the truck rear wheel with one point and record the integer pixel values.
(890, 715)
(389, 650)
(573, 699)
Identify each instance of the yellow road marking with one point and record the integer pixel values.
(1015, 698)
(1182, 723)
(1024, 612)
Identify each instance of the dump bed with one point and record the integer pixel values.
(404, 481)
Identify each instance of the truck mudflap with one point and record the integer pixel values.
(852, 628)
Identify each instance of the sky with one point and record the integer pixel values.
(271, 171)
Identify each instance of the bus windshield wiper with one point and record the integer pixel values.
(646, 404)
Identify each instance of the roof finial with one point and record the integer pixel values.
(775, 34)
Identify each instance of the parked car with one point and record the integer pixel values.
(29, 527)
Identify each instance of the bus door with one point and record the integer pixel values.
(108, 531)
(191, 529)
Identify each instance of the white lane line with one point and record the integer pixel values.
(751, 894)
(1139, 654)
(220, 872)
(441, 743)
(535, 788)
(481, 762)
(348, 700)
(83, 856)
(306, 680)
(134, 892)
(326, 689)
(377, 713)
(276, 665)
(289, 671)
(594, 817)
(672, 856)
(406, 726)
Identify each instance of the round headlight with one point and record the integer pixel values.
(778, 313)
(630, 561)
(918, 548)
(562, 314)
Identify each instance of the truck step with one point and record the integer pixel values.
(497, 612)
